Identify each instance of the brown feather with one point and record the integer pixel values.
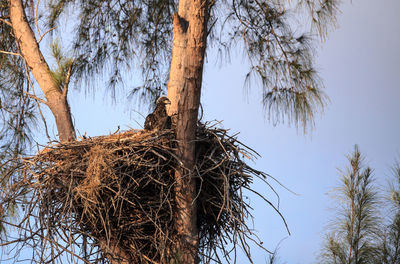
(159, 119)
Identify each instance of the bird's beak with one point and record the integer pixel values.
(167, 103)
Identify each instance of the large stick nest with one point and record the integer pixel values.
(110, 198)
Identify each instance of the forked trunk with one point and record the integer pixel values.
(29, 47)
(184, 90)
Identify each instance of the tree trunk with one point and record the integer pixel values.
(184, 90)
(56, 98)
(30, 51)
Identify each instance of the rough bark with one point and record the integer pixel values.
(30, 51)
(184, 90)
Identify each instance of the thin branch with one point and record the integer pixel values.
(67, 78)
(37, 98)
(37, 103)
(44, 121)
(45, 34)
(5, 22)
(10, 53)
(36, 19)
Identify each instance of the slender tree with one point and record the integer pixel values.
(390, 246)
(169, 39)
(354, 235)
(56, 96)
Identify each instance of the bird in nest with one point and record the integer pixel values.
(159, 119)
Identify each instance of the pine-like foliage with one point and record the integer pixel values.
(17, 111)
(390, 247)
(115, 36)
(354, 235)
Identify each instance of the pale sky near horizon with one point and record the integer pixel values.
(359, 63)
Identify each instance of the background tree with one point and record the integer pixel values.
(354, 235)
(112, 34)
(390, 247)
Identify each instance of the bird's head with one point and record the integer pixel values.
(163, 100)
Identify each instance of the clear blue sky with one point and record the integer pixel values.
(359, 63)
